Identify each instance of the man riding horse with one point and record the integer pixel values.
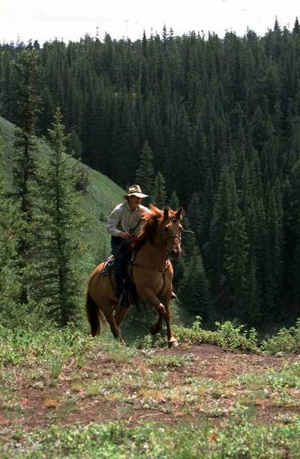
(125, 221)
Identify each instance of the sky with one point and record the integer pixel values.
(21, 20)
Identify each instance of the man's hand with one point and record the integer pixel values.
(124, 235)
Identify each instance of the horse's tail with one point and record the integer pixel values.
(93, 314)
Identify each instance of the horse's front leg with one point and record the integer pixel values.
(163, 309)
(149, 297)
(172, 341)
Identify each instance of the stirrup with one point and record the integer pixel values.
(173, 296)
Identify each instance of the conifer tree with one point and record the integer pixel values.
(174, 201)
(235, 259)
(159, 191)
(194, 291)
(296, 29)
(25, 171)
(219, 220)
(61, 283)
(207, 208)
(251, 312)
(145, 172)
(194, 215)
(74, 145)
(273, 255)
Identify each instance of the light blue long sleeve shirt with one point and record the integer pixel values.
(123, 219)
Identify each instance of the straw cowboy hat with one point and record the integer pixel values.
(135, 190)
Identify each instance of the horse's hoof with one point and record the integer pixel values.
(173, 343)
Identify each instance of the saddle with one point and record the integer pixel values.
(108, 265)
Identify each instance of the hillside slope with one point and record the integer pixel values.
(101, 196)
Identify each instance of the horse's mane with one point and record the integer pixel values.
(151, 220)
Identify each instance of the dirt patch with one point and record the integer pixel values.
(187, 383)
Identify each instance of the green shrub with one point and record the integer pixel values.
(227, 335)
(286, 340)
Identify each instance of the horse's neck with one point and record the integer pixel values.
(151, 254)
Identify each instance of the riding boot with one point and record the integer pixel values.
(124, 297)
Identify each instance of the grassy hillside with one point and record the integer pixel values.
(102, 195)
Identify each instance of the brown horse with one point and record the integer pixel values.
(151, 272)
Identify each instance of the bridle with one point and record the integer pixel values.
(164, 238)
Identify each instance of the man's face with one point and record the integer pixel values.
(133, 202)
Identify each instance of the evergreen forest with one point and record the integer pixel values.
(208, 123)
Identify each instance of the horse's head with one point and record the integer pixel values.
(171, 231)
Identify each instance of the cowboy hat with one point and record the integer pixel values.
(135, 190)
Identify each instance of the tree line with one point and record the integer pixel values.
(205, 122)
(40, 217)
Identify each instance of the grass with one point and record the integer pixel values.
(252, 415)
(234, 439)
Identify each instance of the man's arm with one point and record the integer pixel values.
(113, 222)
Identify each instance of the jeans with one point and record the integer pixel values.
(120, 250)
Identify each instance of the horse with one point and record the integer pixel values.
(150, 271)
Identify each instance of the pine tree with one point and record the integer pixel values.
(273, 255)
(235, 259)
(174, 201)
(25, 172)
(159, 191)
(215, 246)
(296, 29)
(60, 284)
(74, 145)
(207, 209)
(145, 172)
(194, 215)
(189, 243)
(194, 292)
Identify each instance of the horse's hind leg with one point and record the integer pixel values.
(121, 313)
(114, 326)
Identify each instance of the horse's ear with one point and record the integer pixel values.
(179, 213)
(166, 213)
